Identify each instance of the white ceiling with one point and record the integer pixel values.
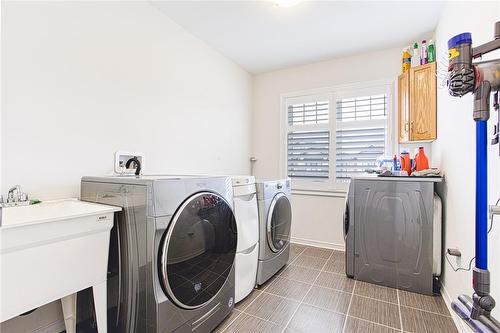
(260, 36)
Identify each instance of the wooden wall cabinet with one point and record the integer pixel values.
(417, 104)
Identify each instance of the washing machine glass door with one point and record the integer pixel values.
(197, 250)
(279, 221)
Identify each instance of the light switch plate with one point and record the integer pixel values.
(121, 158)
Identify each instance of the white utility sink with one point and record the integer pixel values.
(50, 251)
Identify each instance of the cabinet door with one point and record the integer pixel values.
(423, 102)
(404, 106)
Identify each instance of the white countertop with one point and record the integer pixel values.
(55, 210)
(399, 179)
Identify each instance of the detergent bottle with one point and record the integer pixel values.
(421, 160)
(406, 162)
(406, 59)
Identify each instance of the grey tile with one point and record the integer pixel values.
(229, 319)
(355, 325)
(269, 282)
(309, 262)
(417, 321)
(274, 308)
(375, 311)
(335, 266)
(329, 299)
(318, 252)
(246, 323)
(375, 291)
(295, 251)
(293, 256)
(288, 288)
(428, 303)
(301, 274)
(241, 305)
(310, 319)
(335, 281)
(297, 247)
(337, 256)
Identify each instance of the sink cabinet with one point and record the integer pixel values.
(52, 250)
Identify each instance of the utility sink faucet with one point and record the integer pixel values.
(15, 197)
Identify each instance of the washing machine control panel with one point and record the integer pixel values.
(280, 185)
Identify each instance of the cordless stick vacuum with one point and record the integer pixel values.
(482, 79)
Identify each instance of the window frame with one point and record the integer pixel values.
(332, 95)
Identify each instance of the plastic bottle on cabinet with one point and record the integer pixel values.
(405, 162)
(423, 53)
(431, 52)
(415, 59)
(421, 160)
(406, 60)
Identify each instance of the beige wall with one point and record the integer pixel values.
(317, 219)
(454, 151)
(81, 80)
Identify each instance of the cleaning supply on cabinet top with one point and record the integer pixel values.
(423, 53)
(431, 52)
(406, 162)
(397, 163)
(415, 59)
(421, 160)
(406, 61)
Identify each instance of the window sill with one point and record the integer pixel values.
(316, 193)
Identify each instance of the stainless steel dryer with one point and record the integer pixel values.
(275, 221)
(171, 254)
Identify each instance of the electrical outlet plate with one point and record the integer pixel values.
(494, 210)
(121, 158)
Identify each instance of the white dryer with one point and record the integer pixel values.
(275, 220)
(247, 221)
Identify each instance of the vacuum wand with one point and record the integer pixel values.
(481, 79)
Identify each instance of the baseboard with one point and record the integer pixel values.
(55, 327)
(310, 242)
(461, 325)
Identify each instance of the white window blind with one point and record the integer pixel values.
(308, 140)
(308, 113)
(308, 154)
(360, 134)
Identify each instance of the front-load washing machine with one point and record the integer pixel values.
(172, 250)
(247, 222)
(275, 221)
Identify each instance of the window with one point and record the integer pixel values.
(360, 134)
(308, 113)
(309, 154)
(333, 135)
(308, 138)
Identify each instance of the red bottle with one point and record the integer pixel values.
(406, 162)
(421, 159)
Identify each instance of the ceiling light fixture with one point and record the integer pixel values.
(287, 3)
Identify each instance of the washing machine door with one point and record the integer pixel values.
(197, 250)
(279, 221)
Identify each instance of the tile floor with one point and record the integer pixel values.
(313, 295)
